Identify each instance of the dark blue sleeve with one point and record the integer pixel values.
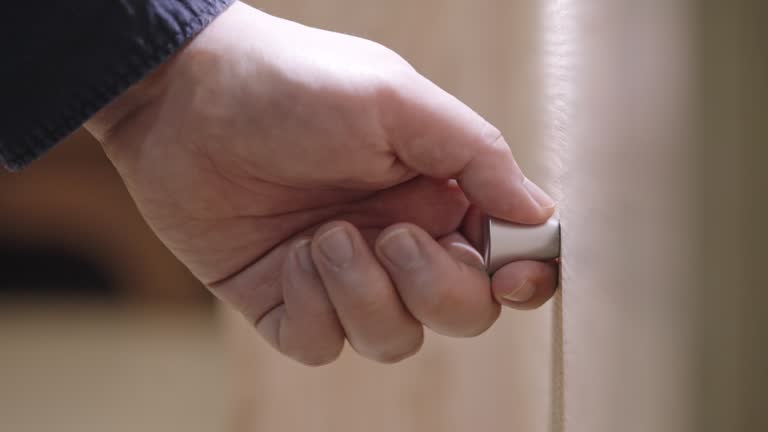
(63, 60)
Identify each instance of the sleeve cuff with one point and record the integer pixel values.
(69, 68)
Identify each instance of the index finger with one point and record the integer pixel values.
(437, 135)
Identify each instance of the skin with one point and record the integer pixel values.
(322, 187)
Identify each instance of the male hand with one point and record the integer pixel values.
(317, 183)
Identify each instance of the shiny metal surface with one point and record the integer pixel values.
(505, 242)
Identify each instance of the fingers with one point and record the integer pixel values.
(305, 326)
(525, 284)
(376, 323)
(438, 136)
(333, 287)
(443, 286)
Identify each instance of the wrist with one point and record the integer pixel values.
(155, 84)
(132, 100)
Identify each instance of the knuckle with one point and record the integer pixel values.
(393, 80)
(493, 136)
(391, 57)
(432, 299)
(363, 305)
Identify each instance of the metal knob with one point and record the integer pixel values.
(505, 242)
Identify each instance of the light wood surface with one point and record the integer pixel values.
(664, 216)
(96, 368)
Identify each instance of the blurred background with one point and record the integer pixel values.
(102, 329)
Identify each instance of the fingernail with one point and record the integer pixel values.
(336, 246)
(538, 195)
(401, 249)
(523, 293)
(304, 257)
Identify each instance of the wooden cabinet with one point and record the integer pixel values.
(664, 216)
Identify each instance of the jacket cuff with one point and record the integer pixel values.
(76, 57)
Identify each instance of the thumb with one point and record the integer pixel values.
(436, 135)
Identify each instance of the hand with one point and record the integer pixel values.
(317, 183)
